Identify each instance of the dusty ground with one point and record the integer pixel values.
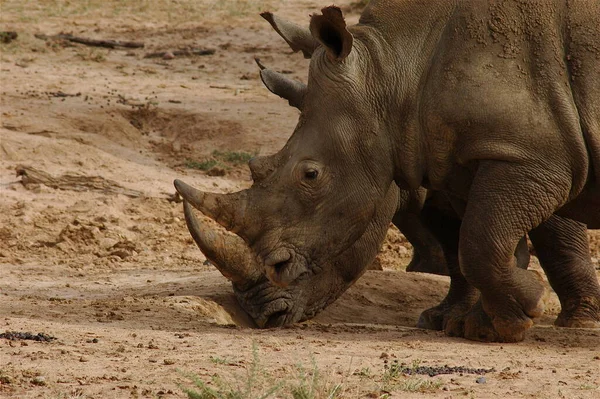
(116, 277)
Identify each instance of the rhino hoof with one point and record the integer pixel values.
(580, 313)
(479, 326)
(431, 319)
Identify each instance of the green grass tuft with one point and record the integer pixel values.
(225, 159)
(202, 165)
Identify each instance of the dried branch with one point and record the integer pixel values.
(90, 42)
(73, 182)
(181, 53)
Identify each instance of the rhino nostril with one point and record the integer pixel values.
(278, 258)
(280, 265)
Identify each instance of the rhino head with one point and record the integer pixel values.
(308, 227)
(299, 287)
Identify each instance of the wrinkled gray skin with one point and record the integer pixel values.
(495, 105)
(271, 305)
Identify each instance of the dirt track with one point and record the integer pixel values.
(117, 279)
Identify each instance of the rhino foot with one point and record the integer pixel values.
(432, 318)
(580, 313)
(504, 317)
(435, 266)
(477, 325)
(444, 316)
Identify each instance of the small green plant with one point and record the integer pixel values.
(258, 384)
(218, 360)
(395, 379)
(250, 387)
(398, 369)
(202, 165)
(415, 384)
(311, 386)
(233, 157)
(365, 372)
(224, 159)
(223, 361)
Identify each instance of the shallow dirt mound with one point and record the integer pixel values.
(186, 139)
(182, 128)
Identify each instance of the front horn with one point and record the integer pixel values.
(228, 252)
(226, 209)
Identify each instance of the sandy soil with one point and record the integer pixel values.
(116, 278)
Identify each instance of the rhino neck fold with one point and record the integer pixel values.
(408, 38)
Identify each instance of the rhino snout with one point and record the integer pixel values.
(283, 267)
(279, 313)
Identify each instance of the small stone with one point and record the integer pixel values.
(402, 250)
(84, 359)
(384, 355)
(107, 242)
(169, 362)
(5, 380)
(39, 381)
(168, 56)
(481, 380)
(216, 171)
(176, 146)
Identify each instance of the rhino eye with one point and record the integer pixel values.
(311, 174)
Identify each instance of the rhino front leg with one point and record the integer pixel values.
(428, 254)
(505, 202)
(563, 250)
(444, 225)
(461, 295)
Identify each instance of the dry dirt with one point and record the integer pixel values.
(117, 279)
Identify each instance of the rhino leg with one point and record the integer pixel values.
(461, 295)
(443, 224)
(428, 254)
(499, 212)
(563, 250)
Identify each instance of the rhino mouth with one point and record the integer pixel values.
(269, 306)
(280, 315)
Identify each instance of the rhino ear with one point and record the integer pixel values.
(330, 30)
(279, 84)
(298, 38)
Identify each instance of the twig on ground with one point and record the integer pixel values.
(181, 53)
(74, 182)
(91, 42)
(62, 94)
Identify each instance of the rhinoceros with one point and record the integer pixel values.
(496, 104)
